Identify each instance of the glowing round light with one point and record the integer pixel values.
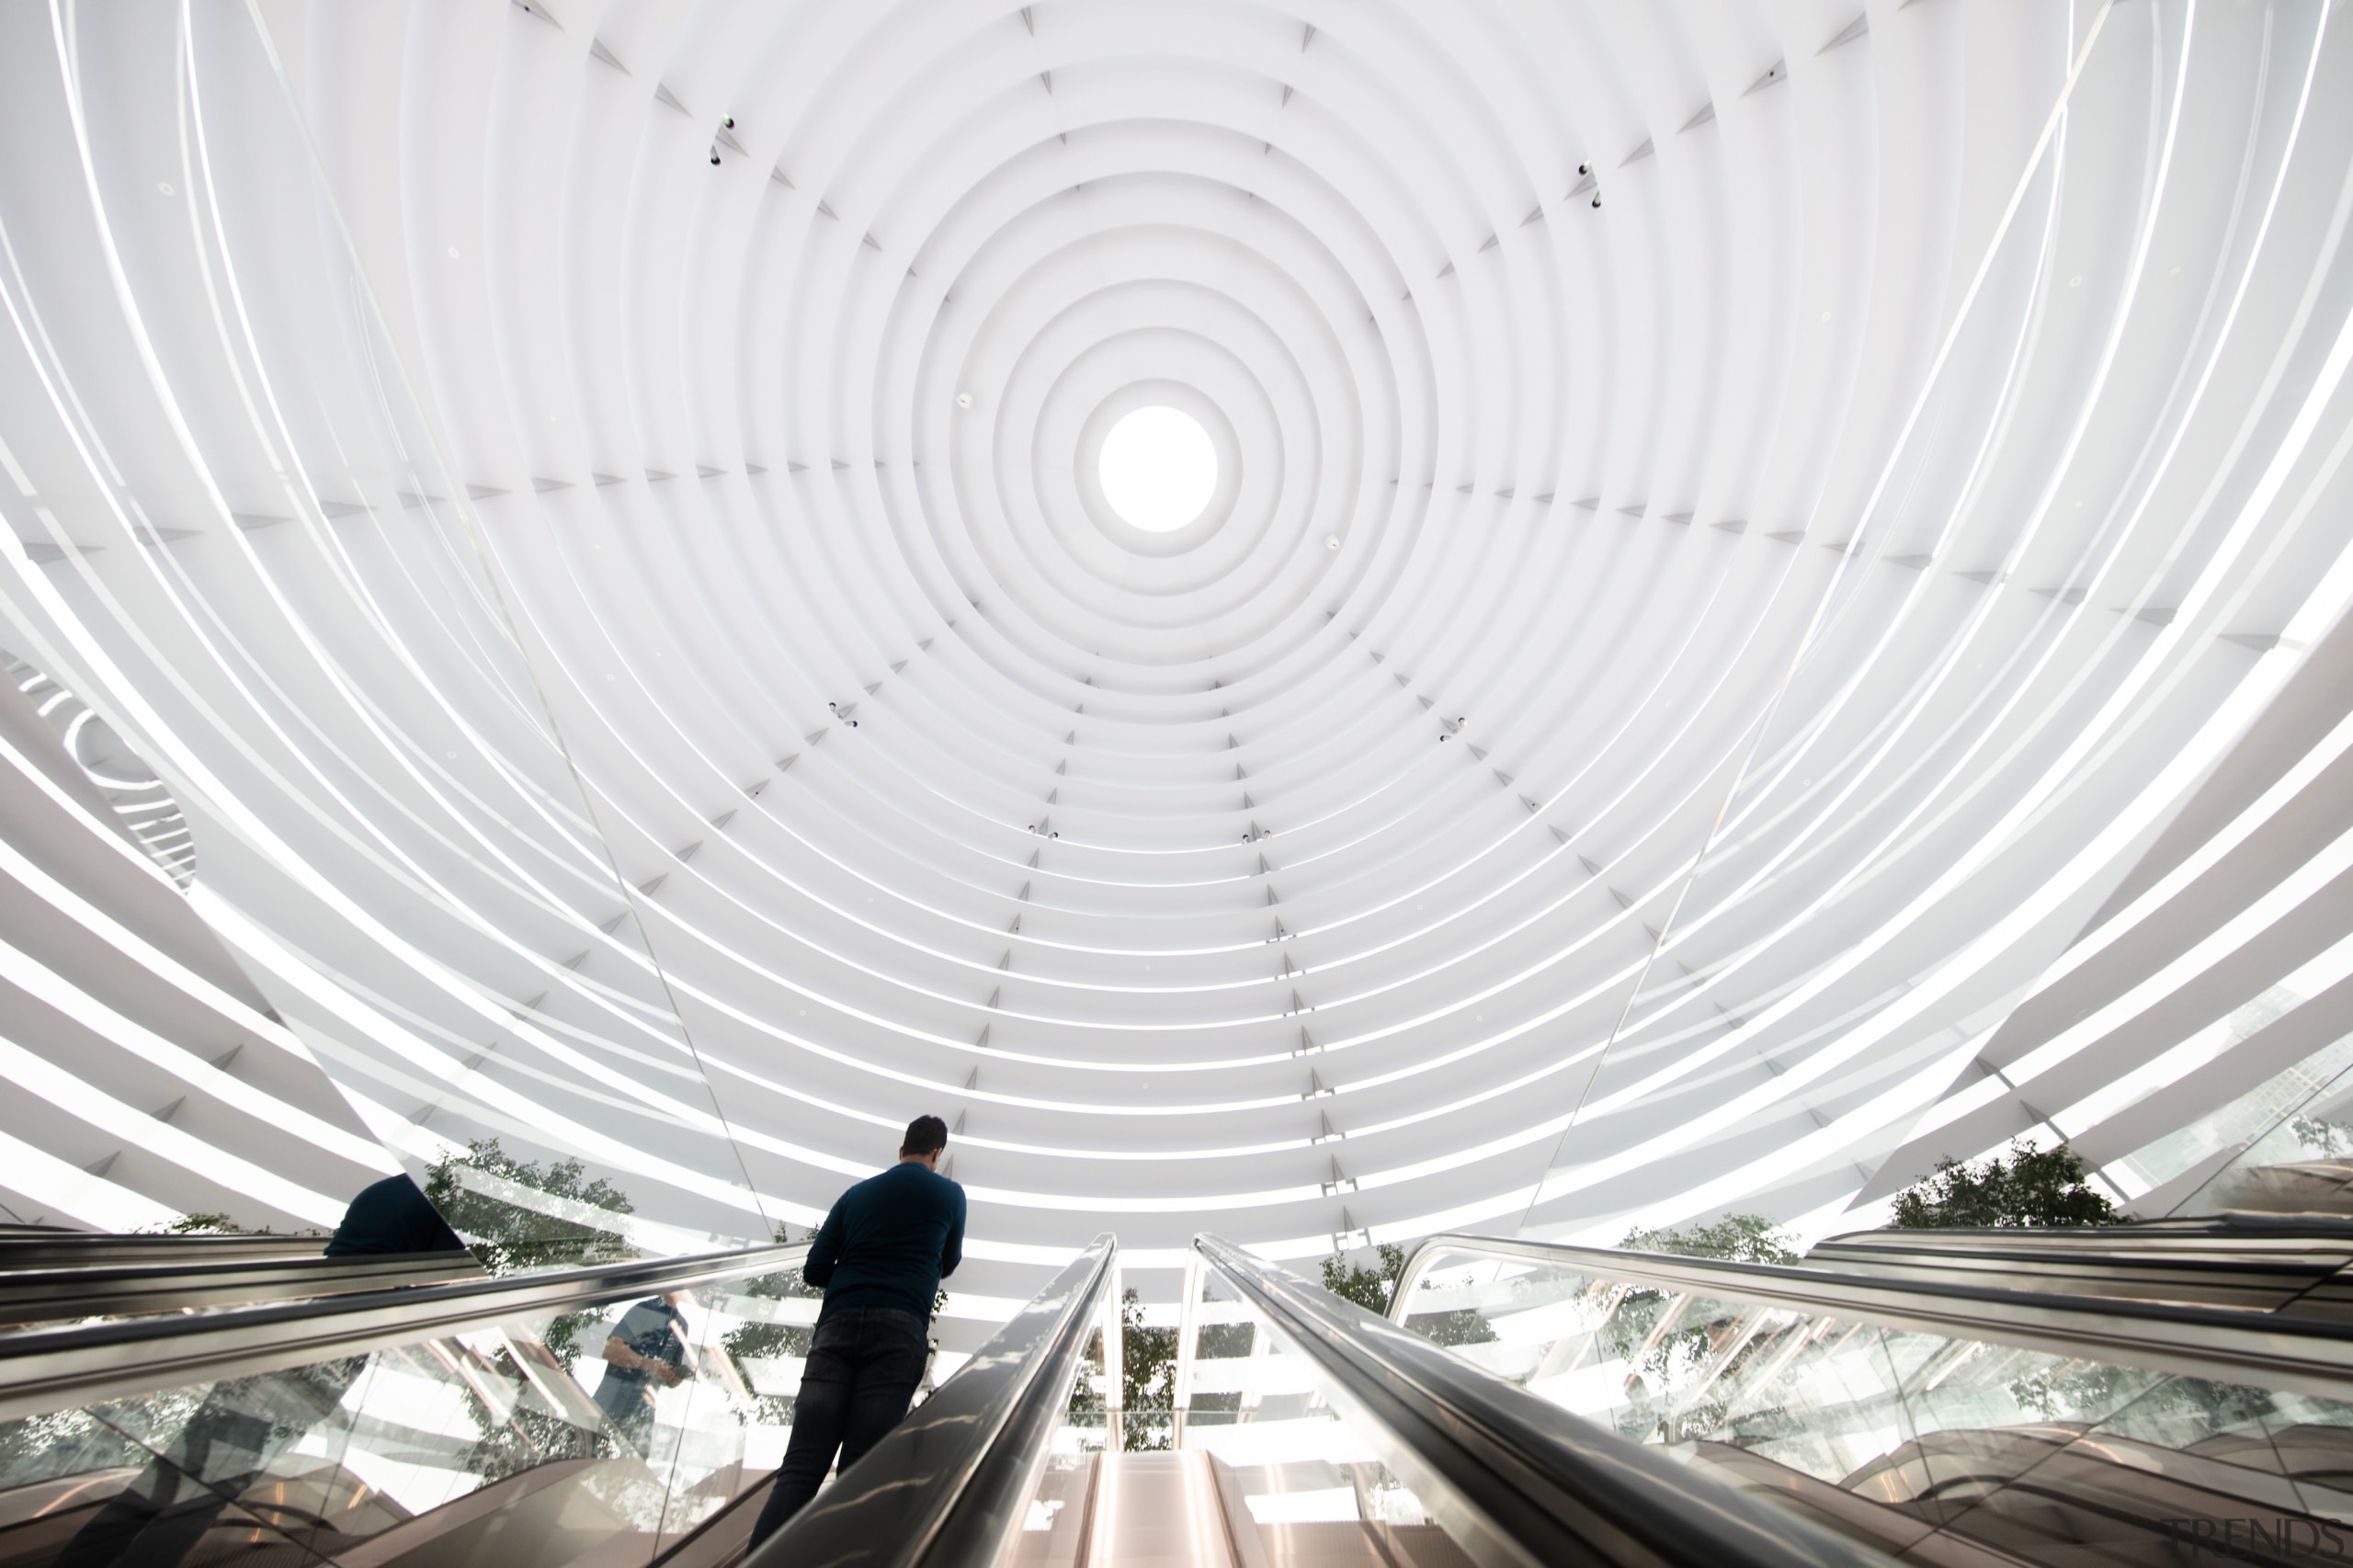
(1158, 469)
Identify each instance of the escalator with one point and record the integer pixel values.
(2137, 1395)
(207, 1401)
(1968, 1399)
(1361, 1443)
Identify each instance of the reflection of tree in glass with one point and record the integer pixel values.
(1688, 1351)
(1085, 1408)
(2076, 1391)
(507, 1238)
(69, 1442)
(530, 1431)
(1738, 1238)
(2322, 1139)
(2181, 1412)
(765, 1340)
(1223, 1341)
(1218, 1342)
(2032, 1186)
(2171, 1412)
(1375, 1289)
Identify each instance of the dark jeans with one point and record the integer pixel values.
(863, 1368)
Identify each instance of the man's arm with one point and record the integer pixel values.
(951, 1251)
(618, 1352)
(826, 1251)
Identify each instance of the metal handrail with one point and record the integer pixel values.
(56, 1369)
(24, 1247)
(2280, 1270)
(2313, 1356)
(1514, 1479)
(45, 1295)
(950, 1485)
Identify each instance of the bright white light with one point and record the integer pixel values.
(1158, 469)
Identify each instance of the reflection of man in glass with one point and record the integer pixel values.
(647, 1346)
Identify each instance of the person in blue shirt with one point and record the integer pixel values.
(647, 1346)
(879, 1257)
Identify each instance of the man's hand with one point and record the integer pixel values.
(618, 1352)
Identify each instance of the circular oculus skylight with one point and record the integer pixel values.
(1158, 469)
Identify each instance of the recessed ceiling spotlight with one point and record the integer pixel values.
(1331, 541)
(963, 400)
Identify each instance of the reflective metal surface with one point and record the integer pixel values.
(1511, 1477)
(49, 1295)
(2283, 1264)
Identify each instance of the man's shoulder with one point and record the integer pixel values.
(861, 1189)
(904, 1176)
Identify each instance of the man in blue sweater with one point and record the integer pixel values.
(879, 1257)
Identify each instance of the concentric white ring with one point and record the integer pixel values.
(1699, 606)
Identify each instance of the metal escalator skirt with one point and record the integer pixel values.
(1515, 1480)
(950, 1485)
(2311, 1356)
(45, 1369)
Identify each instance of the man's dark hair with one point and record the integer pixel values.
(925, 1135)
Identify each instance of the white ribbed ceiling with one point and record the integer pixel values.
(1295, 870)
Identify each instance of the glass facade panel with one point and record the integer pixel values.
(1942, 1448)
(521, 1432)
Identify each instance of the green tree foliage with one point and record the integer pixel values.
(506, 1239)
(1368, 1288)
(772, 1339)
(211, 1222)
(2031, 1186)
(1737, 1238)
(2322, 1139)
(1147, 1383)
(1670, 1356)
(1375, 1290)
(206, 1224)
(1147, 1380)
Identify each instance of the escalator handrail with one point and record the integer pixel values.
(2231, 1345)
(950, 1485)
(41, 1295)
(54, 1368)
(2257, 1232)
(1514, 1478)
(85, 1249)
